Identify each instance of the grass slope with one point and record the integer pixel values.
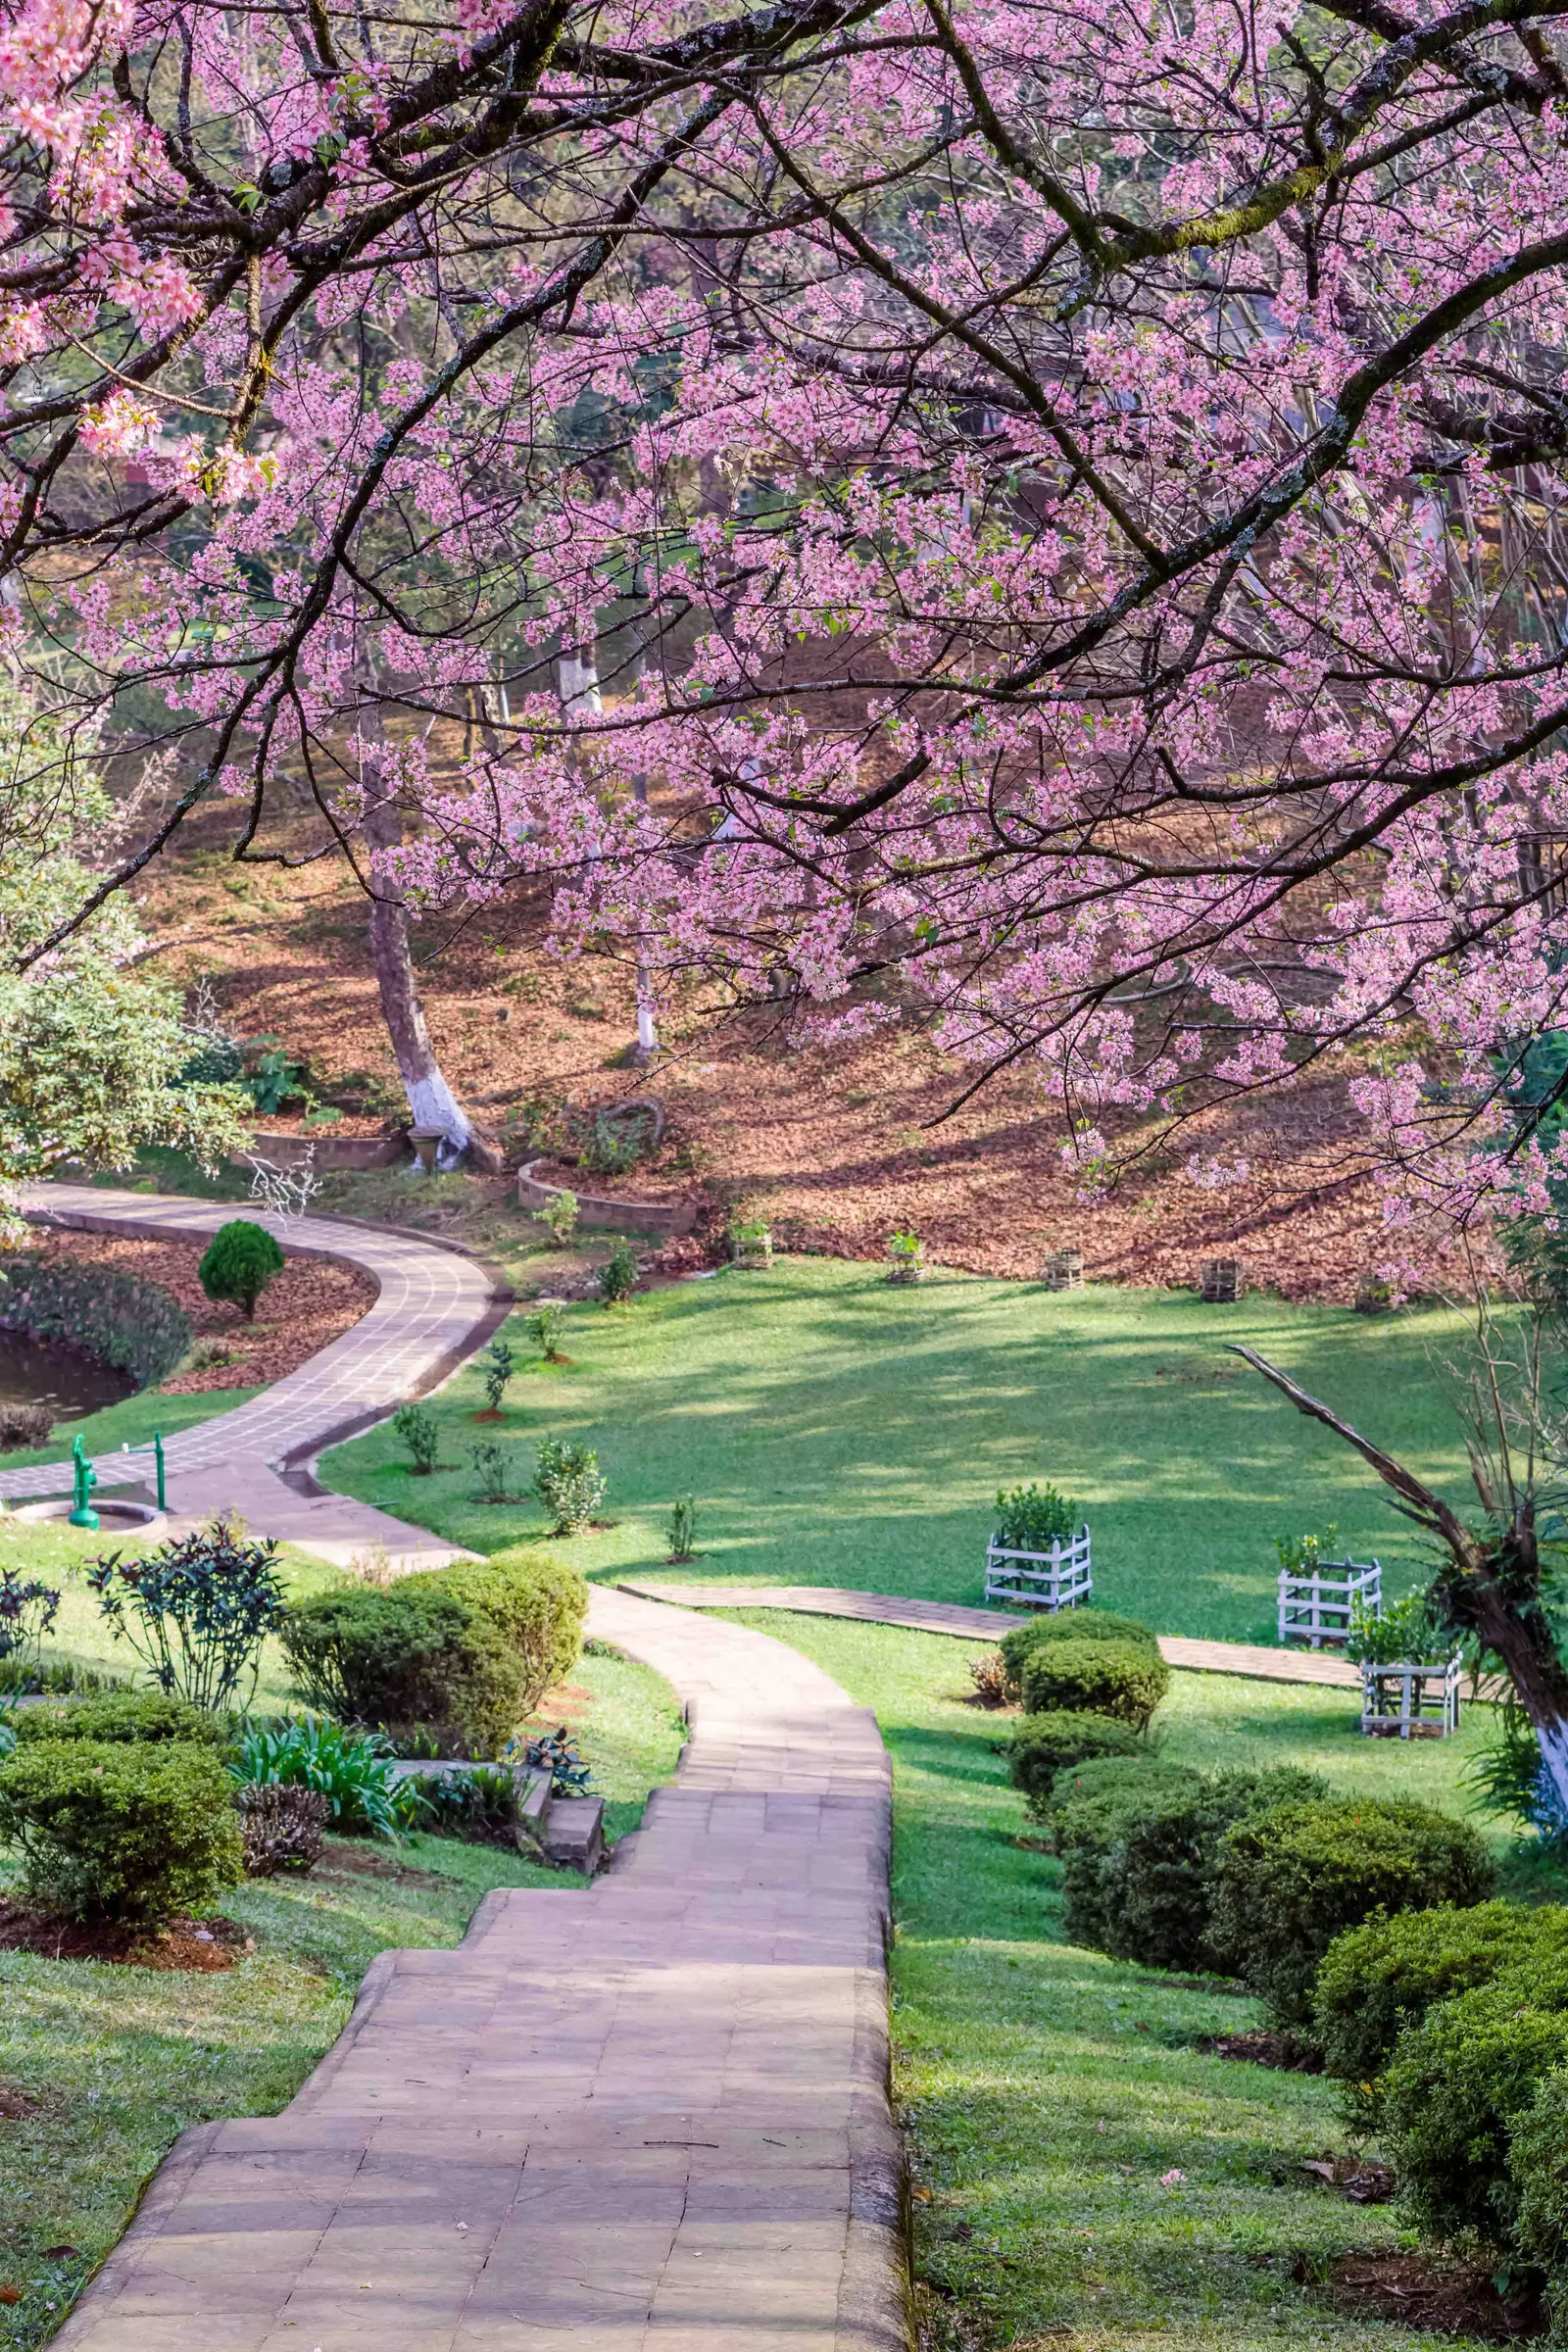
(839, 1430)
(1047, 2089)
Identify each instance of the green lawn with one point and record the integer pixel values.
(838, 1430)
(1046, 2088)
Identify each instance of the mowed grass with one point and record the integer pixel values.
(838, 1430)
(1047, 2089)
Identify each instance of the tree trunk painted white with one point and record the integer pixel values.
(432, 1101)
(1553, 1739)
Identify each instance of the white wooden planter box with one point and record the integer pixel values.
(1316, 1608)
(1411, 1701)
(1058, 1579)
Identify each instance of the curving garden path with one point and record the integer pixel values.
(651, 2116)
(434, 1306)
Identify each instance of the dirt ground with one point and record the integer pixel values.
(836, 1149)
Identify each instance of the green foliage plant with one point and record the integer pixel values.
(544, 1327)
(905, 1255)
(500, 1366)
(1045, 1747)
(131, 1324)
(1457, 2086)
(416, 1428)
(274, 1077)
(1291, 1879)
(1303, 1555)
(463, 1654)
(1377, 1980)
(352, 1772)
(567, 1482)
(1158, 1878)
(1406, 1633)
(134, 1831)
(490, 1468)
(196, 1611)
(239, 1262)
(123, 1716)
(1069, 1624)
(618, 1275)
(560, 1215)
(1094, 1677)
(1033, 1518)
(476, 1802)
(681, 1531)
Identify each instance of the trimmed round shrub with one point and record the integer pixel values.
(1538, 2171)
(122, 1715)
(134, 1830)
(1095, 1806)
(1094, 1677)
(1291, 1879)
(239, 1262)
(1376, 1980)
(1158, 1879)
(1045, 1745)
(1455, 2088)
(458, 1656)
(1070, 1625)
(280, 1827)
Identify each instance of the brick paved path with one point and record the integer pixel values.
(433, 1308)
(1260, 1664)
(646, 2117)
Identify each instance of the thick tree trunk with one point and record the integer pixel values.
(432, 1101)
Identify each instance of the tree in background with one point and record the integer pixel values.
(1059, 507)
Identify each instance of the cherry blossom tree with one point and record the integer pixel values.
(1061, 504)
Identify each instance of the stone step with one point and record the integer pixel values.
(574, 1833)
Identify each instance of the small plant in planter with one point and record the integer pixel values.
(560, 1215)
(417, 1430)
(905, 1253)
(568, 1483)
(681, 1531)
(544, 1327)
(749, 1241)
(239, 1262)
(500, 1366)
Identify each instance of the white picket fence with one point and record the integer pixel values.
(1411, 1701)
(1058, 1579)
(1316, 1607)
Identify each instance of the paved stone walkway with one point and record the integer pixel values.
(646, 2117)
(434, 1307)
(1260, 1664)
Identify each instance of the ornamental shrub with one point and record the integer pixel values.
(1094, 1677)
(417, 1428)
(1538, 2171)
(1033, 1518)
(460, 1655)
(1071, 1625)
(1157, 1876)
(131, 1324)
(1377, 1980)
(239, 1262)
(196, 1611)
(1044, 1747)
(1291, 1879)
(1094, 1805)
(1457, 2086)
(125, 1830)
(122, 1716)
(280, 1827)
(567, 1482)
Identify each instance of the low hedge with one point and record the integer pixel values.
(1096, 1806)
(1158, 1878)
(1458, 2086)
(1070, 1625)
(131, 1324)
(1094, 1677)
(1291, 1879)
(1044, 1747)
(125, 1830)
(1537, 2172)
(1378, 1980)
(122, 1715)
(458, 1656)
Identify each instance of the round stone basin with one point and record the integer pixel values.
(116, 1515)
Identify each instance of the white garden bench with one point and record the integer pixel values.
(1058, 1579)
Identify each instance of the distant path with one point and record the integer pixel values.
(434, 1306)
(988, 1625)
